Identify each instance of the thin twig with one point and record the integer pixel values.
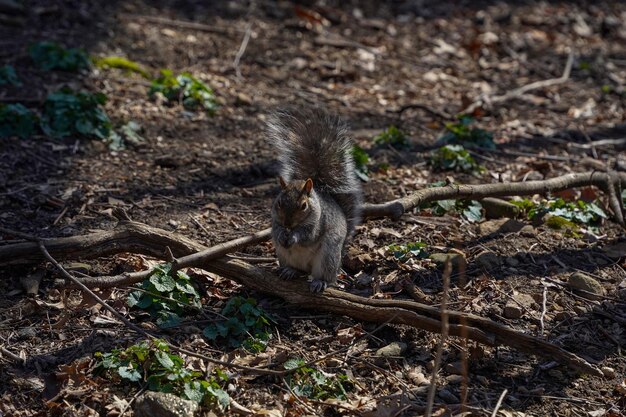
(200, 225)
(499, 403)
(543, 307)
(132, 400)
(444, 335)
(242, 49)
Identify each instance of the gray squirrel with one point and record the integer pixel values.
(320, 201)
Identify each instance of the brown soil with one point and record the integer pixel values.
(219, 172)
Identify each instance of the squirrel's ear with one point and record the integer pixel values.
(282, 182)
(308, 186)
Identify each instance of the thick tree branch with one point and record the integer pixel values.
(603, 180)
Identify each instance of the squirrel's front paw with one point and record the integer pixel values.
(287, 273)
(318, 285)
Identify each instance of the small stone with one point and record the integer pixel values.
(160, 404)
(418, 378)
(500, 226)
(299, 63)
(392, 349)
(458, 260)
(482, 379)
(608, 372)
(562, 315)
(27, 332)
(333, 363)
(454, 379)
(512, 310)
(590, 288)
(455, 368)
(488, 260)
(525, 300)
(496, 208)
(243, 100)
(580, 310)
(528, 231)
(448, 397)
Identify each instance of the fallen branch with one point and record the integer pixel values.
(605, 181)
(296, 293)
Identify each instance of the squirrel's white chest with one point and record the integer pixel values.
(299, 257)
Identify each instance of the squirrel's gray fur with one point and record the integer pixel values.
(313, 144)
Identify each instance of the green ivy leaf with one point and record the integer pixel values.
(128, 372)
(162, 283)
(51, 55)
(16, 120)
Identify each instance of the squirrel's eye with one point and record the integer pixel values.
(303, 206)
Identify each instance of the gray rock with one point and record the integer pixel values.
(488, 260)
(392, 349)
(458, 260)
(500, 226)
(588, 286)
(27, 332)
(455, 368)
(512, 310)
(496, 208)
(454, 379)
(448, 397)
(160, 404)
(608, 372)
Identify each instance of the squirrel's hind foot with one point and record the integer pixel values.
(288, 273)
(318, 286)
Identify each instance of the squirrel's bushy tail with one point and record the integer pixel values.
(315, 144)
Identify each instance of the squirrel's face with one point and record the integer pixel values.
(292, 206)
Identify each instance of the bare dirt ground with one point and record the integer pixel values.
(363, 60)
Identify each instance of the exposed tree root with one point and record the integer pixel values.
(339, 302)
(183, 252)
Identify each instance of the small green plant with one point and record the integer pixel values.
(454, 157)
(312, 383)
(392, 136)
(17, 120)
(470, 210)
(126, 134)
(153, 364)
(121, 63)
(579, 212)
(409, 250)
(9, 76)
(244, 324)
(50, 55)
(461, 133)
(361, 159)
(166, 297)
(185, 89)
(69, 113)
